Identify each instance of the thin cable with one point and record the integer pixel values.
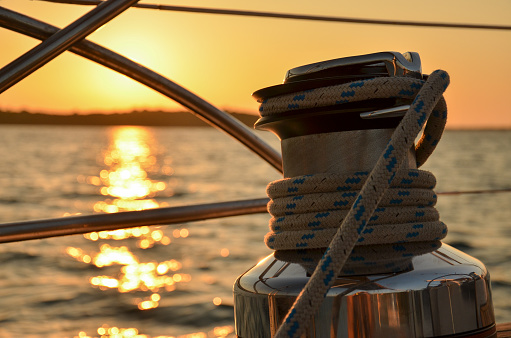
(294, 16)
(466, 192)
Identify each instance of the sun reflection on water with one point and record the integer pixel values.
(130, 159)
(115, 332)
(132, 162)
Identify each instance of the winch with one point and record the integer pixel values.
(403, 282)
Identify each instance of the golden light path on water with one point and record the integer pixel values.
(115, 332)
(129, 162)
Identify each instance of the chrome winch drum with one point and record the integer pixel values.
(440, 293)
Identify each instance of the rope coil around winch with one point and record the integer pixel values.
(357, 209)
(307, 210)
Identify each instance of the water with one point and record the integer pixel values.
(177, 280)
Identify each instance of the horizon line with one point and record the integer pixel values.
(182, 112)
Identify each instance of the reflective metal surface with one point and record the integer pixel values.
(384, 113)
(72, 225)
(336, 71)
(396, 64)
(60, 42)
(438, 292)
(445, 292)
(435, 291)
(360, 115)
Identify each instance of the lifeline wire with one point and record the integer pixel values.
(427, 102)
(294, 16)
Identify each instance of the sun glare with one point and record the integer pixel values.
(129, 162)
(129, 159)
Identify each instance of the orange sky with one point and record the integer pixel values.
(225, 58)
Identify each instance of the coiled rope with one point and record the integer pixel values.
(339, 212)
(405, 212)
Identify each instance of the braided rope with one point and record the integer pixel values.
(364, 259)
(377, 88)
(428, 105)
(310, 213)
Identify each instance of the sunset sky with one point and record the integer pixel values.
(225, 58)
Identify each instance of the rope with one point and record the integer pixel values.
(364, 259)
(302, 204)
(378, 88)
(309, 215)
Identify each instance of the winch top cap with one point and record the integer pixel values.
(347, 69)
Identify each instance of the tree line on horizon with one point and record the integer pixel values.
(140, 118)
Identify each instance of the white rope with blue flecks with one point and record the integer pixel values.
(377, 88)
(428, 105)
(307, 210)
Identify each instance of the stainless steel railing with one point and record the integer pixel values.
(57, 41)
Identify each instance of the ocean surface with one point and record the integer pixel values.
(176, 281)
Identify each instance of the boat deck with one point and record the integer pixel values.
(504, 330)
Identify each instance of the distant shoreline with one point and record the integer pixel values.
(138, 118)
(146, 118)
